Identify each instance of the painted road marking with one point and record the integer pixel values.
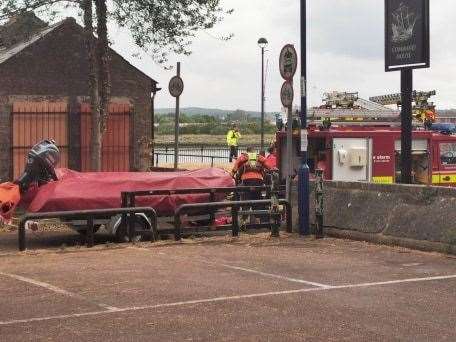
(224, 299)
(55, 289)
(237, 268)
(269, 275)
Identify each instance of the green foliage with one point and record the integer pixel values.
(159, 27)
(212, 125)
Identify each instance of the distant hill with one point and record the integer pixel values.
(208, 111)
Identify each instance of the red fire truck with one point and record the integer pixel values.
(365, 145)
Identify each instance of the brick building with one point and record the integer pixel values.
(44, 93)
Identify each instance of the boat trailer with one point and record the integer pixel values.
(272, 210)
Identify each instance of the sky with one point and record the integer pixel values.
(345, 53)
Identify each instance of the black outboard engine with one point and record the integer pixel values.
(40, 168)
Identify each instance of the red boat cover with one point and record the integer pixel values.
(101, 190)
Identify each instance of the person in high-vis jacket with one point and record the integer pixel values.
(250, 169)
(232, 139)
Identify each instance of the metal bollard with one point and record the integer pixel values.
(235, 218)
(22, 241)
(89, 233)
(319, 204)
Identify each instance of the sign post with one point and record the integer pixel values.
(176, 87)
(406, 48)
(288, 64)
(303, 170)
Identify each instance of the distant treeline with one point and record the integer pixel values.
(214, 125)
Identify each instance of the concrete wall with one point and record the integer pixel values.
(401, 211)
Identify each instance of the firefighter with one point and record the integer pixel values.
(250, 169)
(232, 139)
(271, 159)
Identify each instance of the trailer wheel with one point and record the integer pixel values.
(141, 223)
(96, 228)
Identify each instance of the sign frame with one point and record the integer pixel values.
(282, 91)
(176, 92)
(294, 67)
(422, 61)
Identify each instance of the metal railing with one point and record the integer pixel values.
(129, 199)
(128, 217)
(166, 158)
(194, 154)
(236, 211)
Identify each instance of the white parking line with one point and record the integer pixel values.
(55, 289)
(249, 270)
(270, 275)
(224, 299)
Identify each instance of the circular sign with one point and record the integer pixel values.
(287, 94)
(176, 86)
(288, 62)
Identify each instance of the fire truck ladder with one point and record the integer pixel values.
(367, 112)
(355, 116)
(362, 112)
(370, 105)
(423, 109)
(419, 97)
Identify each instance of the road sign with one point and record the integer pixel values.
(406, 34)
(176, 86)
(288, 62)
(287, 94)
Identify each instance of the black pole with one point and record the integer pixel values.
(303, 172)
(262, 99)
(406, 123)
(176, 125)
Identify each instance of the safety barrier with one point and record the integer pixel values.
(129, 197)
(128, 217)
(236, 211)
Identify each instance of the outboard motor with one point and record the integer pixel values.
(40, 168)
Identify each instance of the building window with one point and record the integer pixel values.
(448, 153)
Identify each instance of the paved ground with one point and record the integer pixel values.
(251, 289)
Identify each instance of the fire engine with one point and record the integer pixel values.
(363, 143)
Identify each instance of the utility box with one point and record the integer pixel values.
(351, 158)
(358, 157)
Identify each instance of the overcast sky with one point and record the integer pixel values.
(346, 53)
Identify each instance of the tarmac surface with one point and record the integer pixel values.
(221, 289)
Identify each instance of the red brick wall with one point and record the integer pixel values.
(57, 66)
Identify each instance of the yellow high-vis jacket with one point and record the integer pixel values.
(232, 138)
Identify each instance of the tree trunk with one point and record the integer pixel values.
(103, 62)
(96, 134)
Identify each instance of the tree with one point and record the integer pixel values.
(157, 26)
(161, 27)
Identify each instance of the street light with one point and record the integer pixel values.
(262, 43)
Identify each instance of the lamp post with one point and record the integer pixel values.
(262, 43)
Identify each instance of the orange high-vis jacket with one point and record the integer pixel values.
(250, 173)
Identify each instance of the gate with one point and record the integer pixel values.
(116, 140)
(33, 122)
